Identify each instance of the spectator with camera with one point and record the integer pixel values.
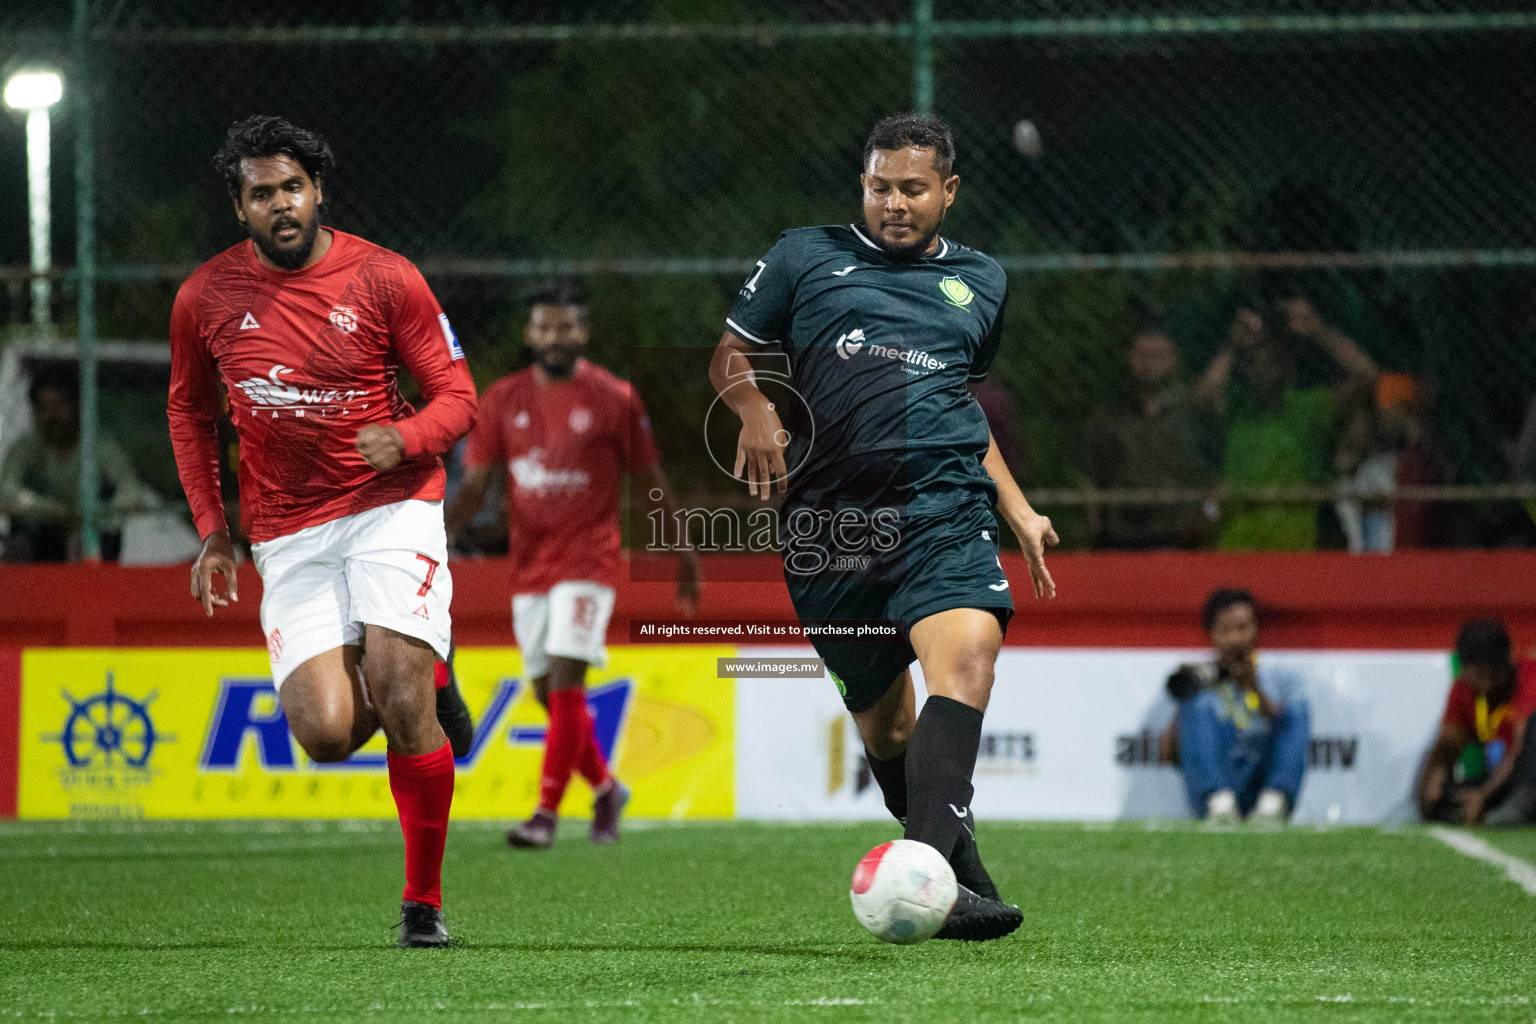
(1475, 767)
(1279, 434)
(1242, 729)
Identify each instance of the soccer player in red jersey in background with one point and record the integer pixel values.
(341, 486)
(565, 430)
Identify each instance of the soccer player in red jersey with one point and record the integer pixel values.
(565, 430)
(341, 486)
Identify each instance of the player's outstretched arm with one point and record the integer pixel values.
(760, 448)
(192, 409)
(1034, 530)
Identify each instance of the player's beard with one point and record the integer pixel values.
(295, 256)
(913, 250)
(559, 361)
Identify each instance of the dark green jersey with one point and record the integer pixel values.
(881, 350)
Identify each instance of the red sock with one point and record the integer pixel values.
(439, 674)
(423, 789)
(569, 727)
(592, 765)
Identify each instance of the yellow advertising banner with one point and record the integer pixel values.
(199, 733)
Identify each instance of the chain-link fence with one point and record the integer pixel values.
(1176, 162)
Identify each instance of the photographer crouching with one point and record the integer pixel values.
(1241, 730)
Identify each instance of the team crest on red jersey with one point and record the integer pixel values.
(581, 420)
(344, 318)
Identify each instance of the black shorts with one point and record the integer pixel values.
(937, 563)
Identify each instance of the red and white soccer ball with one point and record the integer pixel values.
(902, 891)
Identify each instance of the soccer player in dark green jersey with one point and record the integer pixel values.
(891, 479)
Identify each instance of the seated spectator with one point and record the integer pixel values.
(1241, 730)
(1471, 768)
(1278, 434)
(40, 479)
(1150, 438)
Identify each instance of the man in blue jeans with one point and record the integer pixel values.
(1242, 729)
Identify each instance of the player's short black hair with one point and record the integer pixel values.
(1223, 598)
(55, 377)
(1483, 642)
(558, 291)
(262, 135)
(918, 131)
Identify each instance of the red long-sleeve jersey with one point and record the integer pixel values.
(307, 358)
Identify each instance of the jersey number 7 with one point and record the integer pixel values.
(426, 584)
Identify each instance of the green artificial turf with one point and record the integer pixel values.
(279, 921)
(1521, 843)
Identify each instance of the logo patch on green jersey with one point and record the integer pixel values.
(956, 292)
(841, 689)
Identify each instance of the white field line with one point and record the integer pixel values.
(1522, 873)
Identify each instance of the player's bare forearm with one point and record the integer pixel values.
(760, 448)
(1011, 503)
(1033, 530)
(729, 367)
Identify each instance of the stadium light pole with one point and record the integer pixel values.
(35, 91)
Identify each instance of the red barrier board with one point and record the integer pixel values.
(10, 728)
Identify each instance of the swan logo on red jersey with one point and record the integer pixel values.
(530, 473)
(344, 318)
(272, 392)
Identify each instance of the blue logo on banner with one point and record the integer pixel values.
(249, 707)
(108, 730)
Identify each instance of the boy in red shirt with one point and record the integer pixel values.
(1489, 706)
(566, 431)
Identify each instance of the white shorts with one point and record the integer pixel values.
(571, 621)
(387, 566)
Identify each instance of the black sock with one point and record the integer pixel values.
(940, 759)
(966, 860)
(892, 777)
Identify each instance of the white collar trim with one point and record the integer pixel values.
(943, 245)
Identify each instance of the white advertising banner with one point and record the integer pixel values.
(1071, 734)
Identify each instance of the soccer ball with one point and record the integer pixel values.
(902, 891)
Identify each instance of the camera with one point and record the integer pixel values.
(1187, 680)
